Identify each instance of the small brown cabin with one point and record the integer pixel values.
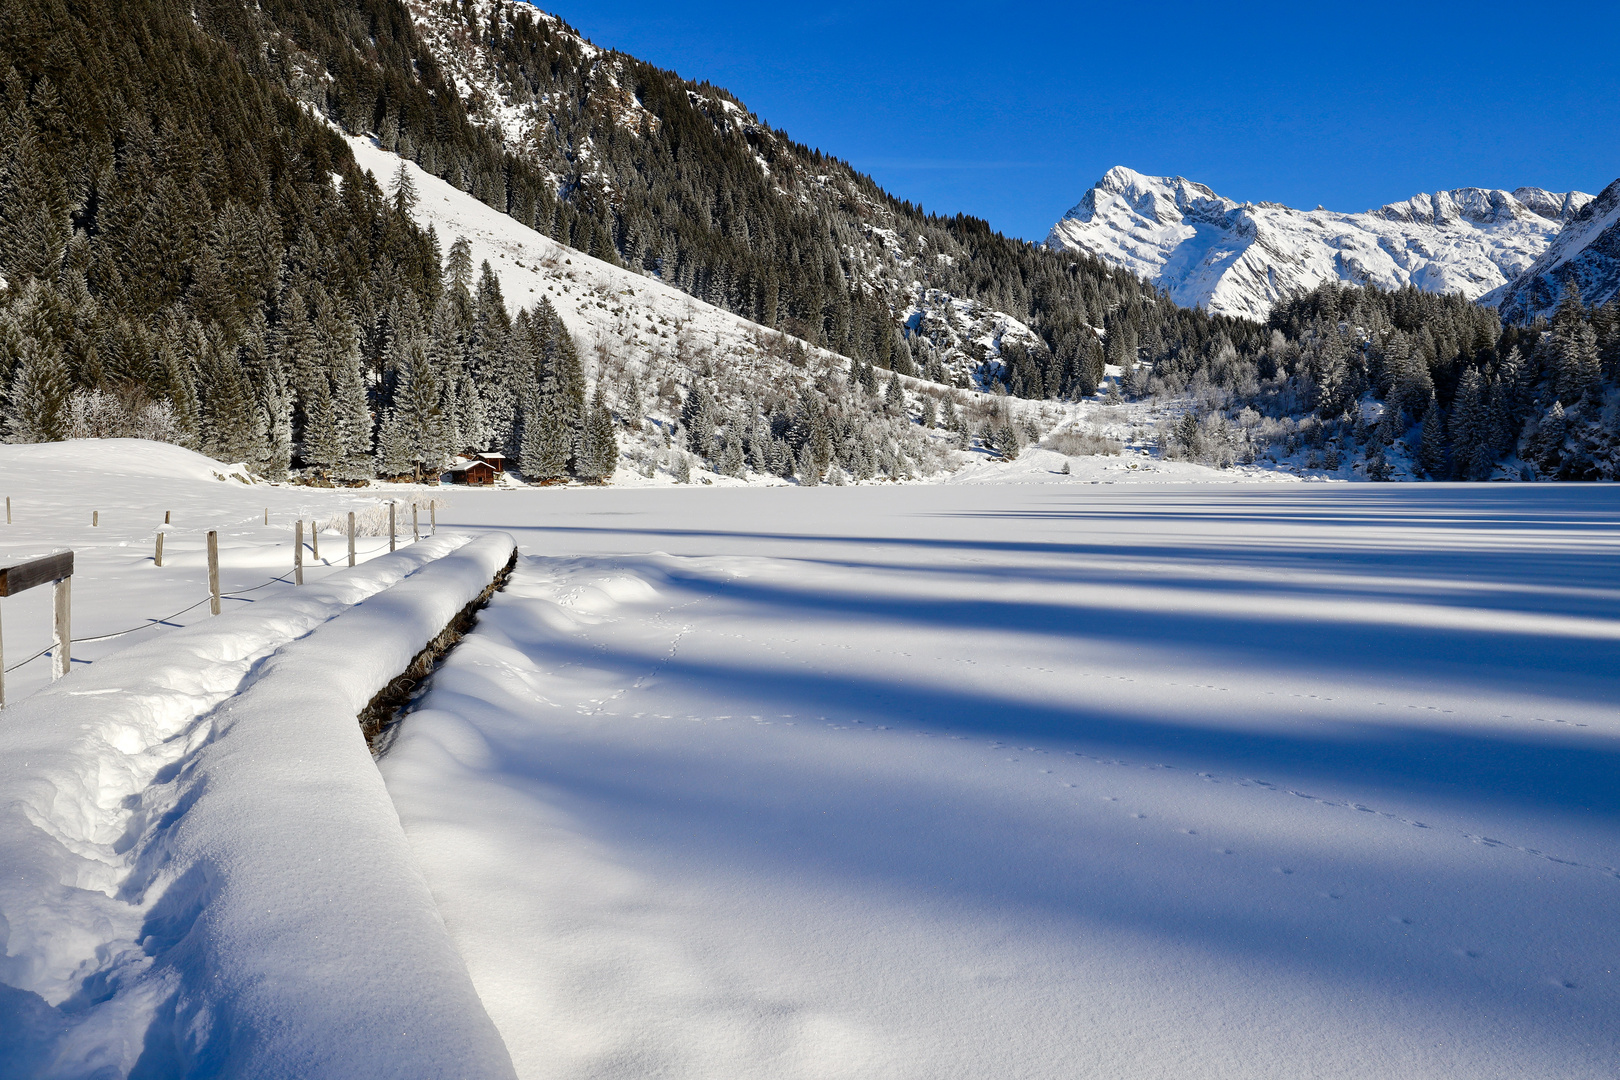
(477, 470)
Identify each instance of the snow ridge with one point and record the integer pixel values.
(1239, 259)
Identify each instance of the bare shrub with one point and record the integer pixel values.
(1082, 442)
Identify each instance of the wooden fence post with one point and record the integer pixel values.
(166, 514)
(158, 559)
(298, 552)
(63, 643)
(95, 518)
(416, 527)
(315, 540)
(8, 509)
(351, 537)
(56, 568)
(213, 572)
(433, 517)
(393, 529)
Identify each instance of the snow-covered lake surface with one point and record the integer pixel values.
(1189, 780)
(1014, 779)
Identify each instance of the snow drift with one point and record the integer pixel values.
(205, 875)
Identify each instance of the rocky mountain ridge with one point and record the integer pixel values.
(1586, 252)
(1239, 259)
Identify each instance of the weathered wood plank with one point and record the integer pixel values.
(15, 579)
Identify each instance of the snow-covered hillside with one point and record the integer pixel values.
(630, 325)
(1586, 252)
(961, 333)
(1240, 258)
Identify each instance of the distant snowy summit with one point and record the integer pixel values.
(1241, 258)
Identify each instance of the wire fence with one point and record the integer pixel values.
(371, 521)
(148, 624)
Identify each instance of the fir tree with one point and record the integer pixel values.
(1577, 365)
(698, 418)
(809, 474)
(599, 452)
(1471, 441)
(34, 225)
(418, 410)
(547, 437)
(1432, 447)
(37, 401)
(322, 447)
(403, 192)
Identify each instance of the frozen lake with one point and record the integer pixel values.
(1045, 781)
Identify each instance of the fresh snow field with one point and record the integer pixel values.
(1190, 780)
(1016, 779)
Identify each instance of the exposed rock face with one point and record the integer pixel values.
(1241, 258)
(1587, 252)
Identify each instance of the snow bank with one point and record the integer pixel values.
(121, 457)
(193, 890)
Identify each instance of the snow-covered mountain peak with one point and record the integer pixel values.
(1241, 258)
(1163, 199)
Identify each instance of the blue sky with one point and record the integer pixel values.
(1009, 112)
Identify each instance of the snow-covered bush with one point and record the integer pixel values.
(371, 519)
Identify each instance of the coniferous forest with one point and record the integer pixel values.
(191, 253)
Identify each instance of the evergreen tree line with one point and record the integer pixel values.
(854, 429)
(188, 254)
(1462, 394)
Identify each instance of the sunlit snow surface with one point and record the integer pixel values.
(1057, 781)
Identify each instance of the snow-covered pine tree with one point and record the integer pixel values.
(1432, 444)
(402, 192)
(1470, 428)
(547, 434)
(37, 400)
(894, 398)
(352, 415)
(699, 420)
(275, 420)
(599, 451)
(418, 408)
(809, 474)
(731, 458)
(322, 447)
(458, 268)
(393, 450)
(1577, 365)
(34, 223)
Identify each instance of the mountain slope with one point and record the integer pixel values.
(678, 179)
(1241, 258)
(1586, 252)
